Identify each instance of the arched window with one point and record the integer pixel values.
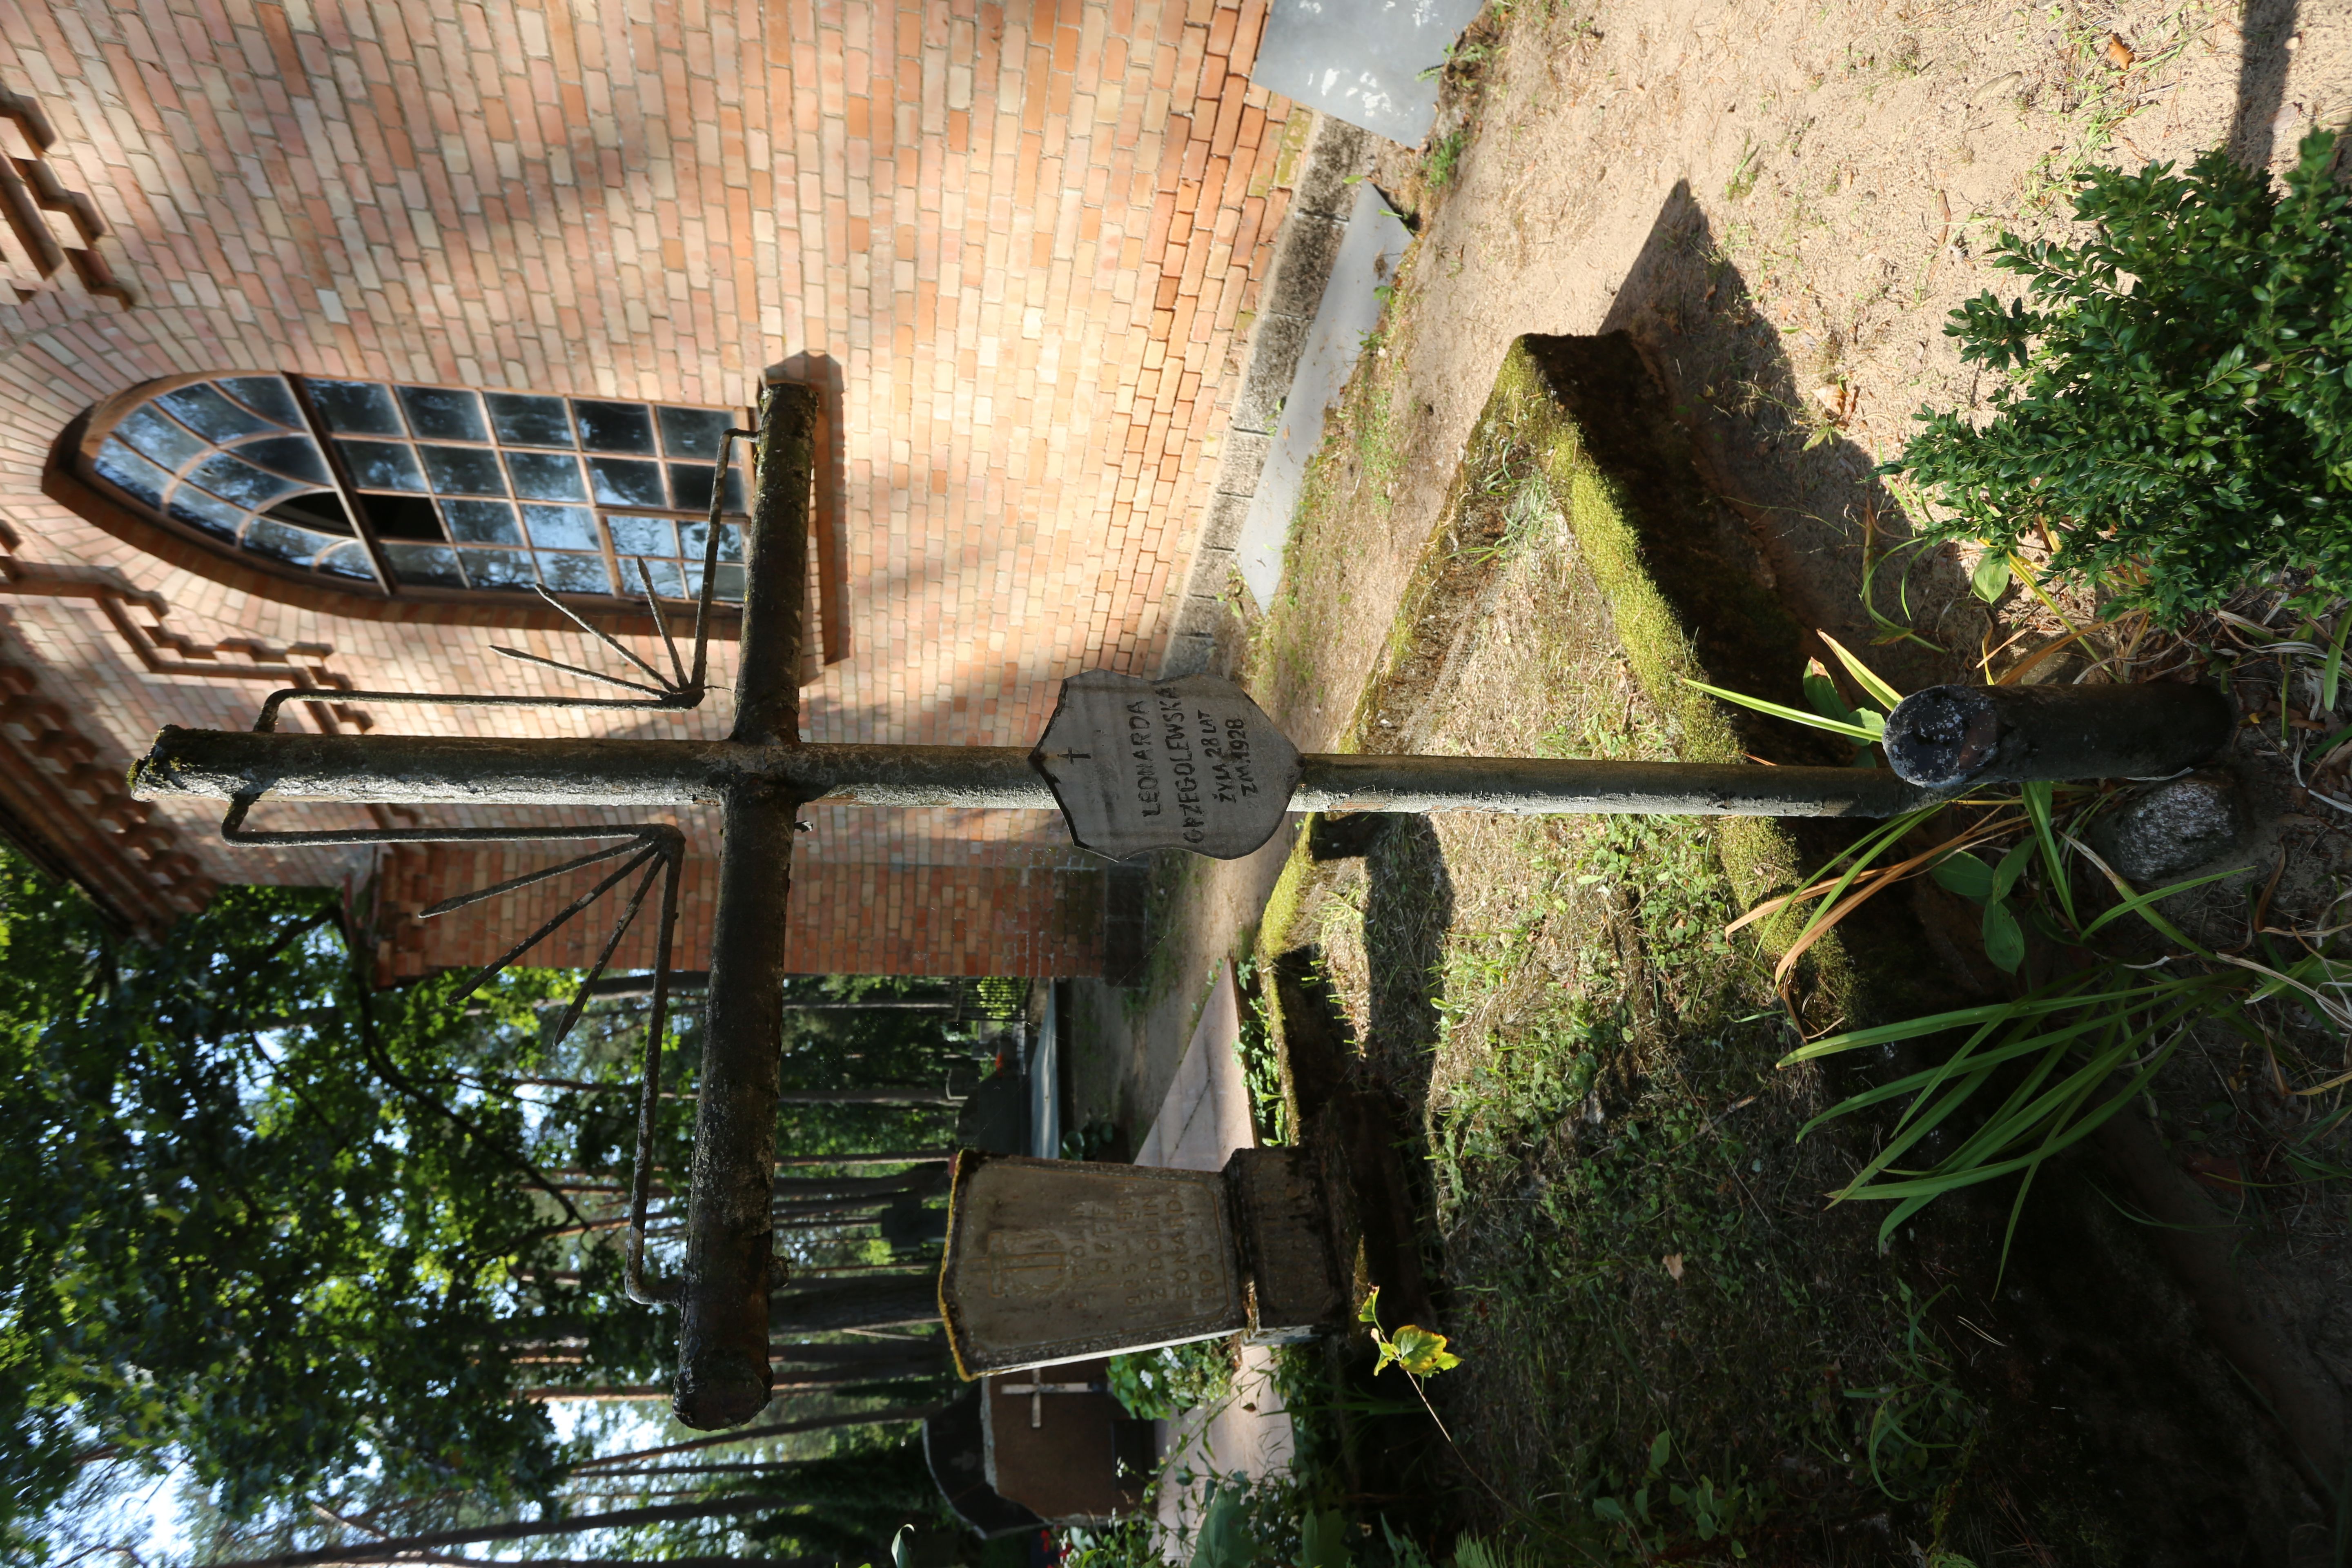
(385, 488)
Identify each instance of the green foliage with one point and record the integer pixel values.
(1660, 1511)
(1420, 1352)
(1919, 1419)
(1157, 1385)
(1445, 158)
(2076, 1049)
(1261, 1059)
(253, 1222)
(2178, 415)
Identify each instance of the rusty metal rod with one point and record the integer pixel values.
(458, 770)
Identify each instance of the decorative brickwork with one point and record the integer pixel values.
(1012, 244)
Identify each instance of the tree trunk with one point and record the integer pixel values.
(867, 1303)
(875, 1157)
(772, 1429)
(392, 1547)
(789, 1379)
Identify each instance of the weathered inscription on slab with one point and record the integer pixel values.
(1190, 763)
(1052, 1260)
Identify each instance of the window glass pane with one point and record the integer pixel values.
(345, 561)
(120, 465)
(295, 455)
(425, 563)
(691, 484)
(621, 482)
(522, 421)
(211, 415)
(356, 407)
(693, 536)
(693, 539)
(730, 585)
(265, 396)
(567, 573)
(444, 414)
(691, 487)
(560, 527)
(269, 537)
(463, 470)
(403, 517)
(382, 466)
(481, 521)
(320, 511)
(546, 476)
(663, 574)
(693, 432)
(168, 443)
(198, 509)
(614, 426)
(241, 482)
(643, 535)
(498, 568)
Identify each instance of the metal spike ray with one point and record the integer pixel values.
(658, 848)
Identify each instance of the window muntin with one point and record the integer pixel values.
(460, 489)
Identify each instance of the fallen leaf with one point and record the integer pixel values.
(2119, 54)
(1674, 1262)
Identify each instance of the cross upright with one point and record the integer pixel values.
(1133, 765)
(1036, 1390)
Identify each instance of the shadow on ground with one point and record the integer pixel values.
(1805, 483)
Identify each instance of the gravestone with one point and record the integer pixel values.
(1059, 1443)
(955, 1448)
(1053, 1260)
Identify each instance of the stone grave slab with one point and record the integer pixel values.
(1053, 1260)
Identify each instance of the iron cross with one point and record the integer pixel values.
(1134, 765)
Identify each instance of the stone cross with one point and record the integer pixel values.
(1036, 1391)
(1134, 765)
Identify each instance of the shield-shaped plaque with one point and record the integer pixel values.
(1166, 764)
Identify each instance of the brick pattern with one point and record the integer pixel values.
(76, 817)
(845, 919)
(47, 234)
(1018, 238)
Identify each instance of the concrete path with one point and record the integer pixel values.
(1204, 1119)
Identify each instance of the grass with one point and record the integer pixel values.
(1657, 1357)
(1440, 167)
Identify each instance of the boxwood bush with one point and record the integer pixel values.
(2176, 411)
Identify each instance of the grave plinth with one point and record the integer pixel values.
(1055, 1260)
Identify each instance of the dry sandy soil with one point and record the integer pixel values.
(1783, 203)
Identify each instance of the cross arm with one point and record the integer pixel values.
(226, 764)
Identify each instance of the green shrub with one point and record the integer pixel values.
(1157, 1385)
(2178, 413)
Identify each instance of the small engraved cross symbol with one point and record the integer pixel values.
(1037, 1391)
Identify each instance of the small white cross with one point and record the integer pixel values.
(1037, 1391)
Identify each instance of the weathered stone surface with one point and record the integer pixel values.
(2173, 827)
(1051, 1260)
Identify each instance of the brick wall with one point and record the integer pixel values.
(1019, 240)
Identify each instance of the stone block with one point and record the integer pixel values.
(1274, 360)
(2173, 827)
(1302, 264)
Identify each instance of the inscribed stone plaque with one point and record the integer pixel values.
(1051, 1260)
(1190, 763)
